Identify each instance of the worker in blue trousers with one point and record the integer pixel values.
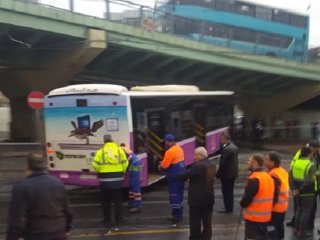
(134, 203)
(173, 164)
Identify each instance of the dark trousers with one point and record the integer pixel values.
(109, 196)
(227, 193)
(295, 206)
(47, 236)
(255, 231)
(304, 207)
(313, 214)
(277, 221)
(198, 214)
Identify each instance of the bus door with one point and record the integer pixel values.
(156, 132)
(200, 116)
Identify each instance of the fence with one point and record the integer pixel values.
(151, 18)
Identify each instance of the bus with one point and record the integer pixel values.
(252, 28)
(77, 117)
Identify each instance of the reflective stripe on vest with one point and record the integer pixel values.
(282, 204)
(261, 207)
(262, 200)
(110, 155)
(111, 179)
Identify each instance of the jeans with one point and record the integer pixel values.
(313, 213)
(304, 207)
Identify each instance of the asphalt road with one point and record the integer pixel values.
(150, 223)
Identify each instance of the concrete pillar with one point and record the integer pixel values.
(269, 107)
(56, 72)
(22, 127)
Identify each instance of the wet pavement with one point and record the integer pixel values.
(151, 222)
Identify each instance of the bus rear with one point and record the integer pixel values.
(76, 118)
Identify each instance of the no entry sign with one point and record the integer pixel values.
(36, 99)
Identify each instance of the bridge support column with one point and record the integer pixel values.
(57, 72)
(22, 127)
(267, 108)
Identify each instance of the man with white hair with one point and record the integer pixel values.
(200, 195)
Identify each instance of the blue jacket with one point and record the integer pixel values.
(39, 206)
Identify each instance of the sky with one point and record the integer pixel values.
(97, 8)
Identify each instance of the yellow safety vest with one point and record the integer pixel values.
(300, 169)
(110, 158)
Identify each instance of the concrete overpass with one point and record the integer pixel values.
(42, 48)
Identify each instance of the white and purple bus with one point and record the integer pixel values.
(77, 117)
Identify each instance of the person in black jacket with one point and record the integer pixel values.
(200, 195)
(39, 208)
(228, 171)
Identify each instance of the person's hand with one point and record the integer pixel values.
(295, 192)
(159, 167)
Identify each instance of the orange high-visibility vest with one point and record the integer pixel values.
(173, 155)
(261, 207)
(283, 198)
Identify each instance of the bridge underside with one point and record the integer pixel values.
(132, 67)
(35, 58)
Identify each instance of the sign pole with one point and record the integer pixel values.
(36, 101)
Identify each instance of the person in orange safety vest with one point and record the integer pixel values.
(173, 164)
(280, 176)
(257, 201)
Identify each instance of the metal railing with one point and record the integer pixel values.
(151, 18)
(157, 17)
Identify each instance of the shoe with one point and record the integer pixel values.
(310, 228)
(105, 220)
(128, 206)
(134, 210)
(108, 224)
(290, 224)
(225, 211)
(303, 233)
(174, 219)
(119, 222)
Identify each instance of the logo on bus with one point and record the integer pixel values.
(82, 90)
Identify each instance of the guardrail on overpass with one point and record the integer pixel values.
(125, 12)
(151, 18)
